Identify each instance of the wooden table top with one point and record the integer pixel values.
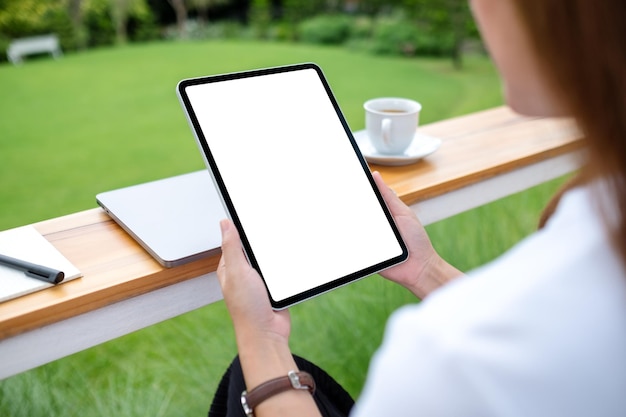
(475, 147)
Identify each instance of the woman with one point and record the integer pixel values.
(540, 331)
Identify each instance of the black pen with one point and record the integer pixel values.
(43, 273)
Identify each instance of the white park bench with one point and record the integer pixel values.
(19, 48)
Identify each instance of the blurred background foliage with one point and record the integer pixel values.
(394, 27)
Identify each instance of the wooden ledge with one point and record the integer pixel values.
(480, 146)
(475, 147)
(114, 268)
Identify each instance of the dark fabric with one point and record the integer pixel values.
(330, 397)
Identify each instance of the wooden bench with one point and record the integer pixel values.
(22, 47)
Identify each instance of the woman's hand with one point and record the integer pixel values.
(245, 293)
(262, 333)
(425, 270)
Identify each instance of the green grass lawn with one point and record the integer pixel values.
(108, 118)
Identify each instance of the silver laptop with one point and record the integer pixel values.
(175, 219)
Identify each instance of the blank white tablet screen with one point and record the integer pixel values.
(297, 186)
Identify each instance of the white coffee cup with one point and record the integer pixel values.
(391, 123)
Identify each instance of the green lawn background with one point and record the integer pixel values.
(109, 118)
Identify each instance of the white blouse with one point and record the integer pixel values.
(539, 332)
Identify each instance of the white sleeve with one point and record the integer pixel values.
(416, 372)
(538, 332)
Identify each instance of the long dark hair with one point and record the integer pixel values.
(582, 47)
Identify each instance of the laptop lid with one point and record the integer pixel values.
(175, 219)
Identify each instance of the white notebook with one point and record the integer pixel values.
(27, 244)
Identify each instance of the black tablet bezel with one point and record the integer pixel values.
(228, 203)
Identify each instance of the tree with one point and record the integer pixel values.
(180, 8)
(27, 17)
(119, 15)
(203, 6)
(75, 11)
(445, 20)
(21, 18)
(260, 16)
(374, 7)
(121, 11)
(459, 18)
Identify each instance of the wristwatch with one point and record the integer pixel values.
(293, 380)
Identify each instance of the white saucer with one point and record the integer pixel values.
(421, 147)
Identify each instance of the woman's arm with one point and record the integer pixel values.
(262, 333)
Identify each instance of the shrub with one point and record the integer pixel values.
(98, 23)
(142, 26)
(435, 43)
(282, 31)
(361, 27)
(4, 45)
(325, 29)
(396, 36)
(31, 18)
(218, 30)
(25, 18)
(58, 22)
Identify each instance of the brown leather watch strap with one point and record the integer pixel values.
(293, 380)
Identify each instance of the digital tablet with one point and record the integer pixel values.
(292, 179)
